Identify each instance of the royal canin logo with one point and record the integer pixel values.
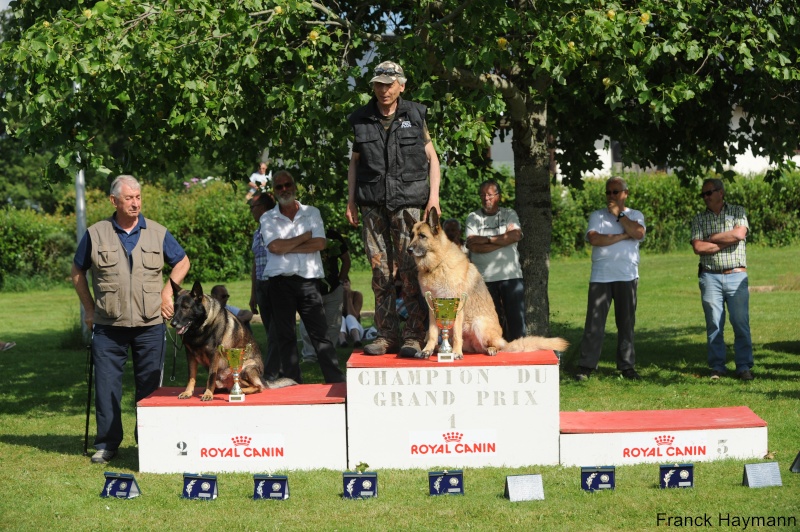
(453, 444)
(242, 449)
(665, 448)
(241, 441)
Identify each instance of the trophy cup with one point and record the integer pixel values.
(234, 356)
(445, 310)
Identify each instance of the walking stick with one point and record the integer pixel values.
(90, 363)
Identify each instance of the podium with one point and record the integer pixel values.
(299, 427)
(480, 411)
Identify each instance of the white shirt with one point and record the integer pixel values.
(275, 225)
(619, 261)
(503, 263)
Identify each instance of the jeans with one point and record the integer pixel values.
(719, 291)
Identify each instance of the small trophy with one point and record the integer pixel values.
(234, 356)
(445, 310)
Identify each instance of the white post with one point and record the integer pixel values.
(80, 216)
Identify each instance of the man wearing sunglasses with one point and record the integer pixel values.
(718, 236)
(614, 233)
(394, 169)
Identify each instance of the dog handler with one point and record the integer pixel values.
(394, 169)
(126, 254)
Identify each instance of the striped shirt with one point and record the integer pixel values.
(259, 255)
(707, 223)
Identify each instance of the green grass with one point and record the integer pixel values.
(47, 483)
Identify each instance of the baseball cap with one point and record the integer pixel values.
(388, 72)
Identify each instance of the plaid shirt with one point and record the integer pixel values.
(259, 255)
(707, 223)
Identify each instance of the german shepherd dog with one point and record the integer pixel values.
(204, 325)
(445, 271)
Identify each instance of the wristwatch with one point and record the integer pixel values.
(620, 215)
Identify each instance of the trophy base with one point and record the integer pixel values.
(446, 357)
(236, 398)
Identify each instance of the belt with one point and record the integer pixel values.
(726, 272)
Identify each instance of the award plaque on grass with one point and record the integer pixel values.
(446, 482)
(359, 485)
(598, 478)
(120, 486)
(273, 487)
(524, 488)
(676, 476)
(202, 487)
(796, 464)
(762, 475)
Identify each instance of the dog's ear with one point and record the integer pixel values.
(176, 288)
(197, 290)
(433, 221)
(410, 221)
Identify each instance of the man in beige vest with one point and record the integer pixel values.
(126, 254)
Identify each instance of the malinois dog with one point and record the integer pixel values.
(446, 272)
(205, 325)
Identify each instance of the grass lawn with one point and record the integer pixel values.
(47, 483)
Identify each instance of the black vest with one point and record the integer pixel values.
(392, 167)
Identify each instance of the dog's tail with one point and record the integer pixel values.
(281, 382)
(535, 343)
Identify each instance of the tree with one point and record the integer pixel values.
(180, 78)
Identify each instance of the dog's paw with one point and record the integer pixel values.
(491, 351)
(185, 395)
(425, 353)
(207, 396)
(458, 356)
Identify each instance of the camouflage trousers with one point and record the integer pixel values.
(386, 239)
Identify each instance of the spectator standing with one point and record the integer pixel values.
(126, 254)
(614, 233)
(294, 236)
(452, 228)
(492, 235)
(259, 181)
(332, 290)
(394, 169)
(220, 293)
(718, 236)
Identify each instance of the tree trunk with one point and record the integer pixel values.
(533, 205)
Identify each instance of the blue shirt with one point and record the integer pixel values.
(173, 252)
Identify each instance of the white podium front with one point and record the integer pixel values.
(480, 411)
(299, 427)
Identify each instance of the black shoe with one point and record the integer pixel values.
(715, 375)
(745, 375)
(583, 374)
(631, 374)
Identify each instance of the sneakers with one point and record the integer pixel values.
(745, 375)
(103, 456)
(410, 349)
(716, 375)
(631, 374)
(583, 374)
(380, 346)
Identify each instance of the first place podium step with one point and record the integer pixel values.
(480, 411)
(299, 427)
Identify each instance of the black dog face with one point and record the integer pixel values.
(189, 307)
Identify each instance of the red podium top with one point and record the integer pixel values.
(302, 394)
(531, 358)
(654, 420)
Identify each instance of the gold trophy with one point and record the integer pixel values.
(234, 356)
(445, 310)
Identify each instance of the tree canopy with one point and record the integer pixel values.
(225, 81)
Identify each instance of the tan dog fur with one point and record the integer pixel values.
(446, 272)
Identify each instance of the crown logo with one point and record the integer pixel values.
(665, 440)
(241, 440)
(452, 436)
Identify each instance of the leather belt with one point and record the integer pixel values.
(726, 272)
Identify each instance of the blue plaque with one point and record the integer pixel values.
(446, 482)
(120, 486)
(598, 478)
(203, 487)
(273, 487)
(676, 476)
(359, 485)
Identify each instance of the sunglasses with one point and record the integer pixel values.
(387, 72)
(614, 192)
(707, 193)
(283, 186)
